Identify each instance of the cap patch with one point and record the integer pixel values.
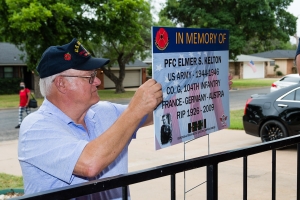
(78, 48)
(67, 56)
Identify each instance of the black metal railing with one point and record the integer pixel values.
(210, 161)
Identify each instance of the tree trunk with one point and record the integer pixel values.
(117, 81)
(119, 87)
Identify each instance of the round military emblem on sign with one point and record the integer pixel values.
(161, 39)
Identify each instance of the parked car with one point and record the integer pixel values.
(274, 115)
(285, 81)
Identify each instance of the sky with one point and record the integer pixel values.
(294, 9)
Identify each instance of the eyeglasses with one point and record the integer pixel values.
(91, 77)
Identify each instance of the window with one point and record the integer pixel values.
(272, 63)
(290, 79)
(8, 72)
(297, 98)
(290, 96)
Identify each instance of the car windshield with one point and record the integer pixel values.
(290, 79)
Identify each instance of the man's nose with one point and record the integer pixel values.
(97, 81)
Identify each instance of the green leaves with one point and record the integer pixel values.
(120, 29)
(246, 20)
(29, 18)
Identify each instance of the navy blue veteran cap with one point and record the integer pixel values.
(57, 59)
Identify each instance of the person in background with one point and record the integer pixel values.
(24, 100)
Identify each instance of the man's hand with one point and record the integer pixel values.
(147, 97)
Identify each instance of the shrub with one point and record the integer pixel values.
(276, 67)
(10, 85)
(149, 71)
(279, 73)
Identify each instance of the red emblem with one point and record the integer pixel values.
(161, 39)
(223, 120)
(67, 56)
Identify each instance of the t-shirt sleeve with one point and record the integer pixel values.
(52, 149)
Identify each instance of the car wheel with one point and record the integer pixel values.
(272, 130)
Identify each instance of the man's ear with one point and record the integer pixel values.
(60, 84)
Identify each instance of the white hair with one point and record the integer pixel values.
(46, 83)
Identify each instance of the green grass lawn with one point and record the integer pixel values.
(8, 181)
(12, 100)
(236, 119)
(250, 83)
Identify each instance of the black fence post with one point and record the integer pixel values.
(245, 173)
(298, 171)
(273, 174)
(173, 187)
(124, 193)
(212, 182)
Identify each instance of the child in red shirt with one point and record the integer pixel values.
(24, 100)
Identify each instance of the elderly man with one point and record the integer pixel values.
(73, 138)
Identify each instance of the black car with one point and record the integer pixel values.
(274, 115)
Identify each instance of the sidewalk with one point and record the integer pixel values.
(9, 158)
(142, 156)
(230, 183)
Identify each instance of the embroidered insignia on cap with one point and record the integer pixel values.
(84, 53)
(67, 56)
(78, 48)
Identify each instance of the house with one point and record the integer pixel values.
(246, 67)
(11, 66)
(136, 75)
(284, 59)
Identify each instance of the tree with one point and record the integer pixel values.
(126, 27)
(36, 25)
(164, 21)
(33, 26)
(121, 27)
(260, 22)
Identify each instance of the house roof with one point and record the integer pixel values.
(246, 58)
(277, 54)
(137, 63)
(148, 60)
(10, 54)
